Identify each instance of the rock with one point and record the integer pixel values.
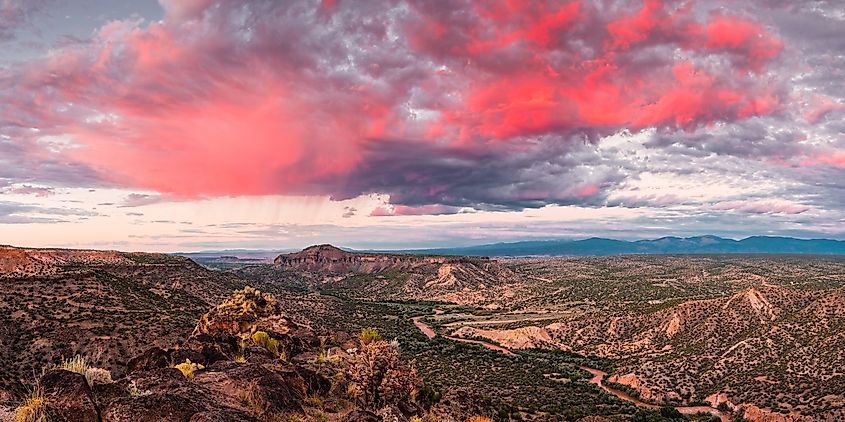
(68, 396)
(160, 380)
(314, 382)
(152, 408)
(221, 346)
(228, 415)
(180, 355)
(361, 416)
(106, 393)
(275, 390)
(152, 358)
(409, 409)
(260, 355)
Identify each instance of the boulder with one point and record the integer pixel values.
(180, 355)
(152, 358)
(152, 408)
(261, 388)
(227, 415)
(105, 393)
(161, 380)
(361, 416)
(68, 396)
(260, 355)
(221, 346)
(314, 382)
(409, 408)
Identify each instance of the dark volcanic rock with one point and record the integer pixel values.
(409, 408)
(160, 380)
(178, 356)
(106, 393)
(270, 390)
(228, 415)
(151, 358)
(152, 408)
(314, 382)
(217, 347)
(68, 396)
(361, 416)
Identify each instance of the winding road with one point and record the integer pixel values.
(597, 375)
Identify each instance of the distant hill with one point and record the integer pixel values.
(596, 246)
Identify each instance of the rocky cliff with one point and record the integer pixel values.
(330, 259)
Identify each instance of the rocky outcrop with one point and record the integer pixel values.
(152, 358)
(329, 259)
(68, 396)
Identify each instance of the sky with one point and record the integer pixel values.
(201, 124)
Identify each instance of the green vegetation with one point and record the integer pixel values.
(188, 369)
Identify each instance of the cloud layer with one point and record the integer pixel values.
(442, 107)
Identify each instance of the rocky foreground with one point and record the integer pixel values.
(245, 361)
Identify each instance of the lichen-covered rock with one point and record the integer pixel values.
(68, 396)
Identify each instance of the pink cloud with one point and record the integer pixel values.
(255, 98)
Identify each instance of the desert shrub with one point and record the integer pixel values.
(92, 374)
(378, 376)
(188, 368)
(33, 408)
(428, 396)
(250, 302)
(369, 335)
(261, 338)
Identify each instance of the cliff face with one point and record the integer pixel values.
(329, 259)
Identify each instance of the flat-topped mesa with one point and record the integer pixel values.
(328, 258)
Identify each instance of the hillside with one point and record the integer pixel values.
(463, 280)
(665, 245)
(56, 303)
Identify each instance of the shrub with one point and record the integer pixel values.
(261, 338)
(379, 377)
(188, 368)
(315, 401)
(369, 335)
(92, 374)
(33, 408)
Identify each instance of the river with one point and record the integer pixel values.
(597, 375)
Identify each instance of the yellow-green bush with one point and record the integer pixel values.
(369, 335)
(188, 368)
(261, 338)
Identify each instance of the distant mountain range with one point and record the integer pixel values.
(596, 246)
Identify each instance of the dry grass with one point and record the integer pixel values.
(33, 408)
(92, 374)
